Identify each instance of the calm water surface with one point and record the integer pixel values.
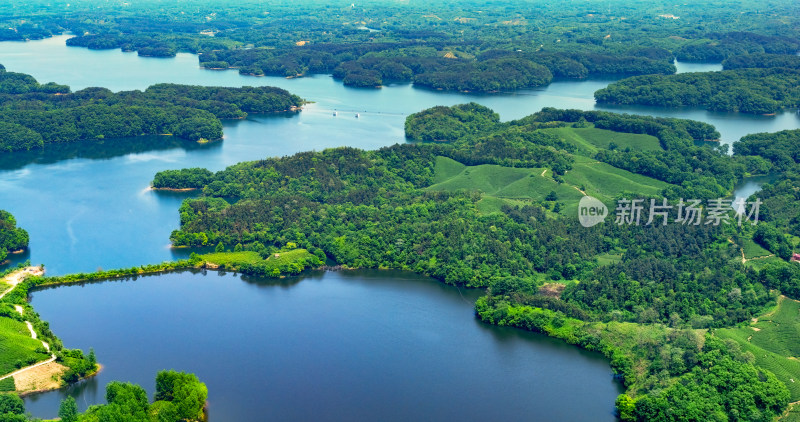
(335, 346)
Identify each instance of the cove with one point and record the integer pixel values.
(330, 346)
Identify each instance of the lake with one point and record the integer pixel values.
(330, 346)
(375, 345)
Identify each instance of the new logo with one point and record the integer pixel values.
(591, 211)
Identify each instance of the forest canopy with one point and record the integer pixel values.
(33, 115)
(12, 238)
(755, 91)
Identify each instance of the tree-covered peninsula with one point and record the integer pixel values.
(12, 238)
(33, 115)
(492, 204)
(745, 90)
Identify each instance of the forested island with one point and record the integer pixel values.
(479, 202)
(33, 115)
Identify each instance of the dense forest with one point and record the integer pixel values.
(12, 238)
(487, 47)
(434, 66)
(33, 114)
(756, 91)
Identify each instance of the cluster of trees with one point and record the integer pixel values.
(434, 66)
(762, 60)
(193, 178)
(756, 91)
(579, 64)
(12, 238)
(179, 396)
(720, 46)
(723, 385)
(79, 365)
(291, 262)
(143, 45)
(22, 83)
(32, 116)
(12, 408)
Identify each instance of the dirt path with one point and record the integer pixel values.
(28, 368)
(14, 279)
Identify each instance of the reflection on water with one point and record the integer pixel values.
(329, 346)
(99, 150)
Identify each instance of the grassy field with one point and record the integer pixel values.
(288, 257)
(446, 169)
(516, 186)
(590, 140)
(17, 348)
(753, 250)
(761, 262)
(280, 260)
(609, 258)
(775, 342)
(604, 181)
(232, 258)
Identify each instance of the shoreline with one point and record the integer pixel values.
(27, 393)
(172, 189)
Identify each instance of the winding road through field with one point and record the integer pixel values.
(14, 279)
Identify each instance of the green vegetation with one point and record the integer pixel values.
(265, 262)
(193, 178)
(12, 238)
(12, 408)
(17, 348)
(486, 46)
(752, 250)
(179, 397)
(232, 259)
(590, 140)
(512, 185)
(790, 61)
(476, 201)
(35, 115)
(7, 385)
(718, 46)
(756, 91)
(773, 342)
